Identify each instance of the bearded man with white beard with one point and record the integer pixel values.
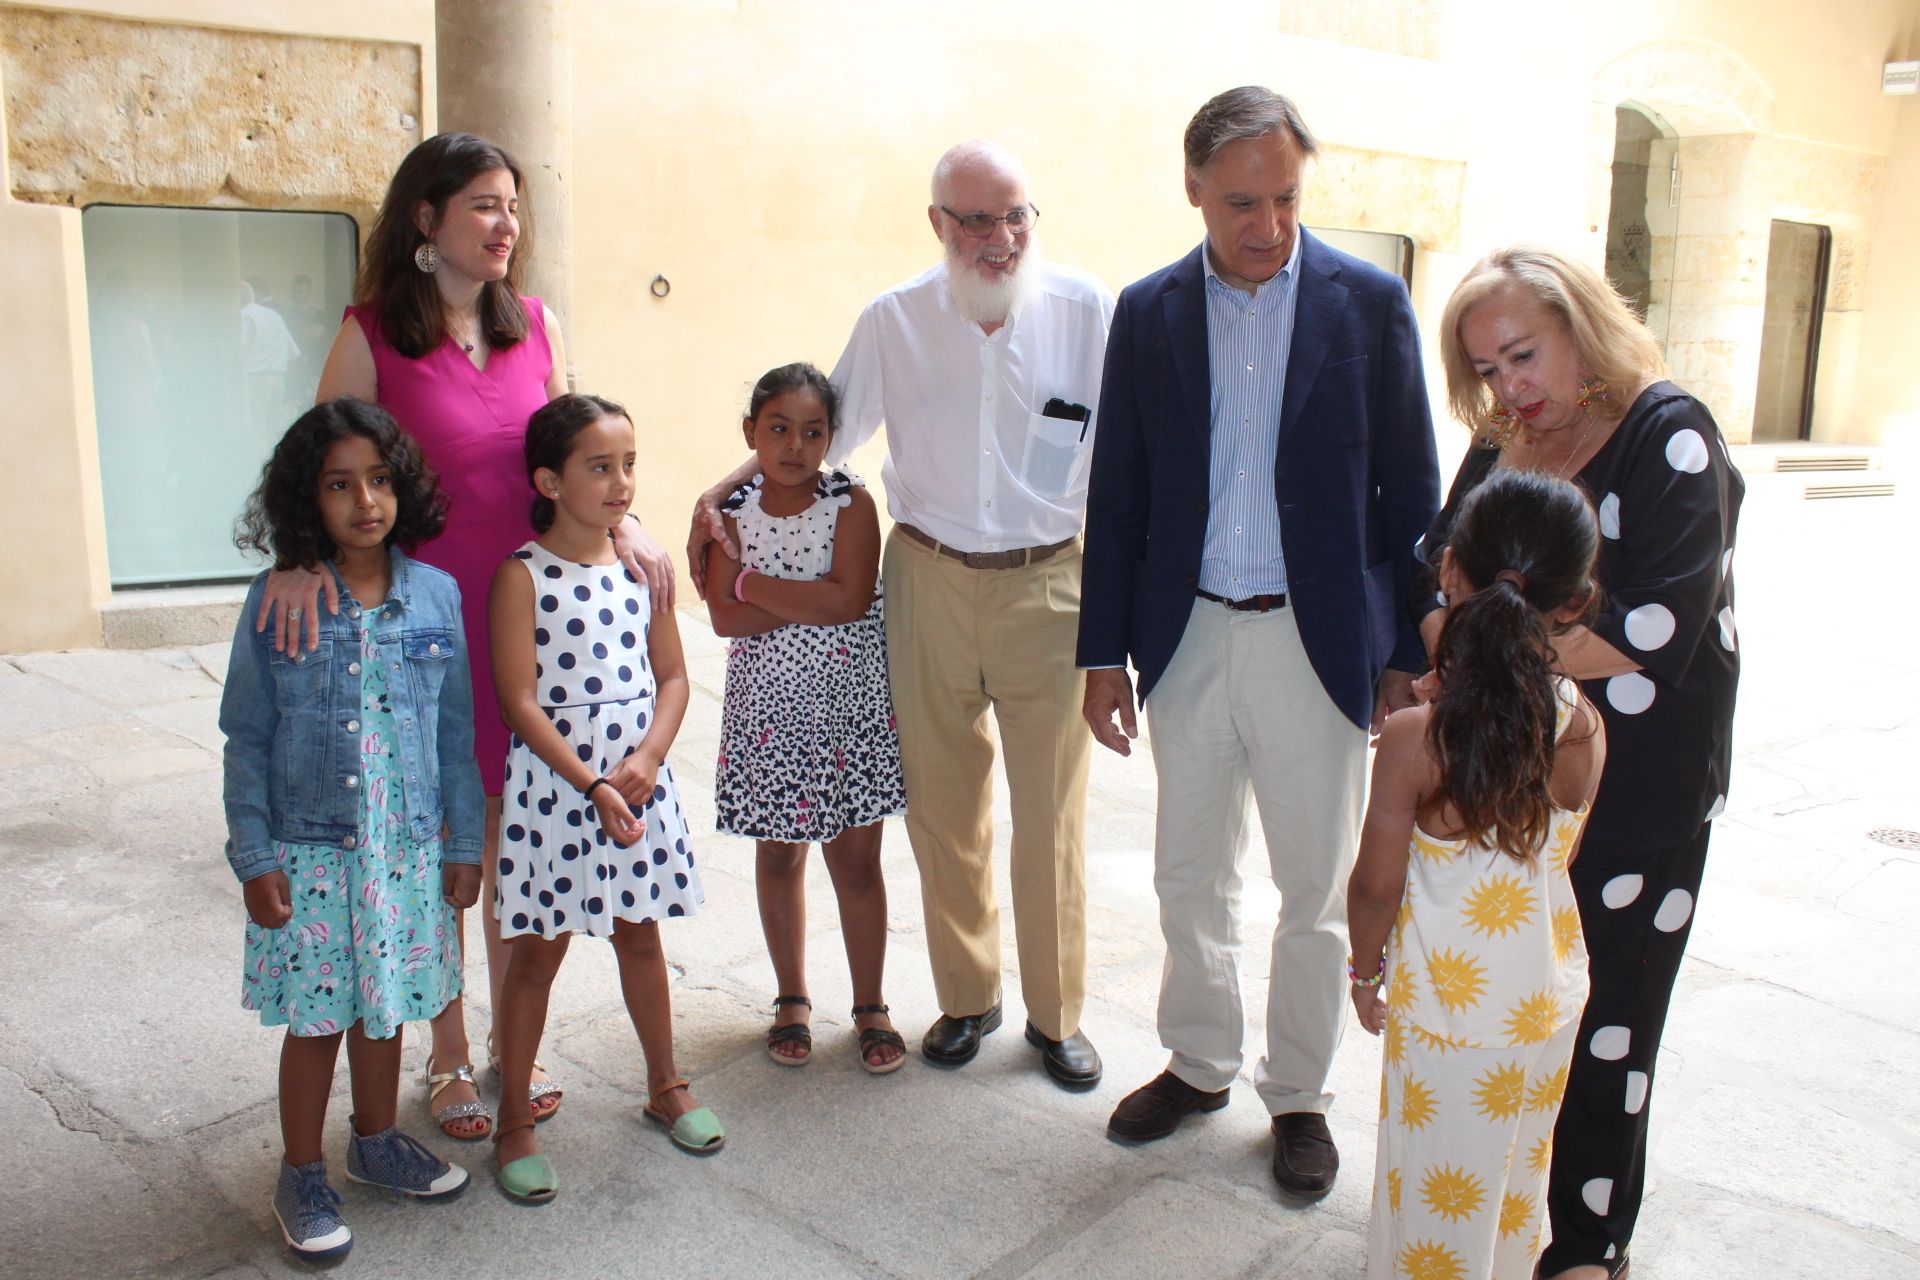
(985, 371)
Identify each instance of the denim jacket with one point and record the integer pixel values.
(293, 725)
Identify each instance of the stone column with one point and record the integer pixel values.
(506, 73)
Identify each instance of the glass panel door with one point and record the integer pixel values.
(1797, 255)
(209, 328)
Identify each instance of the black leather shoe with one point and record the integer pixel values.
(1156, 1108)
(1074, 1062)
(1304, 1157)
(951, 1041)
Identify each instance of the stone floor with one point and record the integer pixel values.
(137, 1099)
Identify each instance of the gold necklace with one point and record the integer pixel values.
(1565, 469)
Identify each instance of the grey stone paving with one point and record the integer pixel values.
(137, 1100)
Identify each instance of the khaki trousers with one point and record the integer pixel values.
(961, 641)
(1238, 712)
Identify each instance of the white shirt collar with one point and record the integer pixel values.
(1289, 271)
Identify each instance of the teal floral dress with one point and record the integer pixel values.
(372, 938)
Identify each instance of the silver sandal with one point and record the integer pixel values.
(436, 1082)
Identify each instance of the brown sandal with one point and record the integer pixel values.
(876, 1037)
(797, 1033)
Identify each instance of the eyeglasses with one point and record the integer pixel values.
(978, 226)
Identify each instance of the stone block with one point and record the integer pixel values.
(1218, 1236)
(37, 705)
(1718, 1238)
(118, 678)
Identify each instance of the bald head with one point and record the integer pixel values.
(977, 158)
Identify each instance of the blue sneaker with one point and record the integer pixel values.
(308, 1210)
(392, 1160)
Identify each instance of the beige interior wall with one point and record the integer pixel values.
(770, 160)
(50, 496)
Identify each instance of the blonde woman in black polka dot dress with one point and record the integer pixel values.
(1554, 373)
(593, 685)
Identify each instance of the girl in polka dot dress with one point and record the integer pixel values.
(808, 750)
(593, 686)
(1466, 933)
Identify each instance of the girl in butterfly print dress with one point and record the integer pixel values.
(1465, 929)
(808, 750)
(593, 685)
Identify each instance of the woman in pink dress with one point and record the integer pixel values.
(440, 336)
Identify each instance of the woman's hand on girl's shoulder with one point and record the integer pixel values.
(269, 900)
(291, 598)
(647, 559)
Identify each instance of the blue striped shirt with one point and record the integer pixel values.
(1248, 339)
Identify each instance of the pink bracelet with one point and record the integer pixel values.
(739, 581)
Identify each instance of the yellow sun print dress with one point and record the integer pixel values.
(1486, 979)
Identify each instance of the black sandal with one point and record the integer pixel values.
(874, 1037)
(792, 1033)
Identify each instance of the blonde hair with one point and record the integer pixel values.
(1611, 340)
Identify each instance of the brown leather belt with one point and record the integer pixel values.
(1252, 604)
(1018, 558)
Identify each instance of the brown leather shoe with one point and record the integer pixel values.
(1305, 1160)
(1156, 1108)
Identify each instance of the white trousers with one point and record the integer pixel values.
(1240, 712)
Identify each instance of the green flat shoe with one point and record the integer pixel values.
(530, 1179)
(698, 1132)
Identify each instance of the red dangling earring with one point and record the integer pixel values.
(1501, 424)
(1592, 388)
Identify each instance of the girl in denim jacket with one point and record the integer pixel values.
(343, 765)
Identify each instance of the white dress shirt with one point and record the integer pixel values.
(971, 460)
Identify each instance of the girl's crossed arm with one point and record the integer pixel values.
(1402, 776)
(843, 594)
(510, 626)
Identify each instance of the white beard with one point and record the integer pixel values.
(987, 300)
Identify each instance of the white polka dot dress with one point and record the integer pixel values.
(559, 870)
(808, 747)
(1486, 979)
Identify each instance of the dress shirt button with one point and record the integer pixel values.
(353, 726)
(1249, 364)
(989, 395)
(353, 781)
(989, 502)
(353, 668)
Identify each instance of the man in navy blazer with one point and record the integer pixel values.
(1264, 466)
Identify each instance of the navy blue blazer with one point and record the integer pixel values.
(1355, 477)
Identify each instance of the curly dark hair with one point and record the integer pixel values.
(1526, 542)
(550, 435)
(282, 516)
(412, 316)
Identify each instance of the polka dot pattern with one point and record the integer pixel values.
(1621, 890)
(1598, 1194)
(1675, 910)
(559, 869)
(1610, 1044)
(1725, 618)
(1687, 451)
(1610, 517)
(1649, 627)
(1630, 694)
(1636, 1092)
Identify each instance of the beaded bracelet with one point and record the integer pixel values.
(740, 580)
(1379, 976)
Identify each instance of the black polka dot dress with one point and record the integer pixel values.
(1668, 500)
(559, 870)
(808, 747)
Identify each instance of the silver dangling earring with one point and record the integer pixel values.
(427, 258)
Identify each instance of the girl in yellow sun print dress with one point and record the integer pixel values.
(1467, 938)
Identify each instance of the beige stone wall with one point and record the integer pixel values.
(205, 102)
(1411, 27)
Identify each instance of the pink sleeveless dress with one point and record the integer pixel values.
(472, 424)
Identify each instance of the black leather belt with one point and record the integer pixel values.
(1018, 558)
(1252, 604)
